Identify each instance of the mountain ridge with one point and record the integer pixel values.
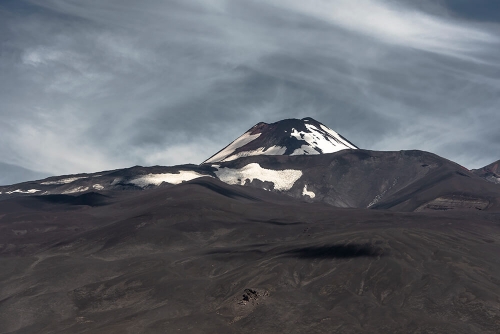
(396, 180)
(489, 172)
(272, 157)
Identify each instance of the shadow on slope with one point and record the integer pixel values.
(336, 251)
(90, 199)
(341, 251)
(222, 189)
(146, 267)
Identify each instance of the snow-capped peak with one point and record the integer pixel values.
(287, 137)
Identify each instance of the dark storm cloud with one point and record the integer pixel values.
(93, 85)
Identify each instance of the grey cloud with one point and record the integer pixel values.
(95, 85)
(479, 10)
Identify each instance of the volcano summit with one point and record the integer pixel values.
(287, 137)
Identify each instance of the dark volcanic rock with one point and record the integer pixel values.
(490, 172)
(207, 257)
(133, 178)
(401, 181)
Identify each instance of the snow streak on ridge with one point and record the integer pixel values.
(228, 150)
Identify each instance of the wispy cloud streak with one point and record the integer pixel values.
(93, 85)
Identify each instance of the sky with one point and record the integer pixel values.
(95, 85)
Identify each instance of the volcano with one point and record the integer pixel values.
(287, 137)
(289, 229)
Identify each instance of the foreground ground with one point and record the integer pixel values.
(205, 257)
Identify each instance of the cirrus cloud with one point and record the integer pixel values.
(95, 85)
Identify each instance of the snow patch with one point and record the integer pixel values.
(308, 193)
(64, 181)
(75, 190)
(116, 181)
(337, 136)
(322, 140)
(381, 195)
(376, 199)
(19, 191)
(282, 179)
(97, 187)
(239, 142)
(157, 179)
(304, 150)
(273, 150)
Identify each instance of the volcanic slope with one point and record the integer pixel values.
(306, 160)
(207, 257)
(490, 172)
(287, 137)
(133, 178)
(401, 181)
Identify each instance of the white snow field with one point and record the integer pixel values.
(282, 179)
(324, 139)
(273, 150)
(172, 178)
